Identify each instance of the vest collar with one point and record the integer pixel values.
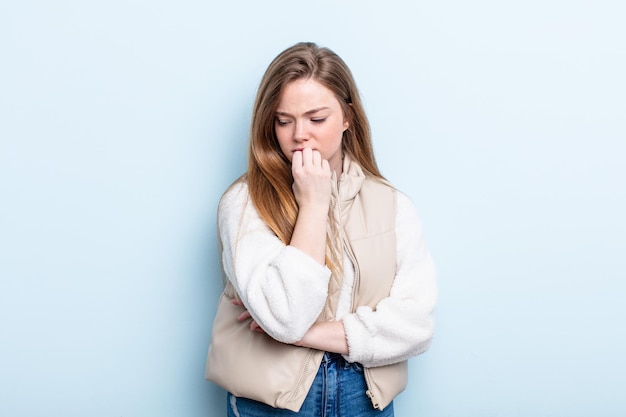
(350, 180)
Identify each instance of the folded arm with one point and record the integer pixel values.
(283, 288)
(402, 324)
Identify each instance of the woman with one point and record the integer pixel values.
(330, 288)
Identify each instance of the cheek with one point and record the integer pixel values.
(284, 146)
(336, 133)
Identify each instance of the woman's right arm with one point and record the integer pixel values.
(283, 287)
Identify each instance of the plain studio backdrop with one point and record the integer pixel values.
(122, 122)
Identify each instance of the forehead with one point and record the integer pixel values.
(306, 93)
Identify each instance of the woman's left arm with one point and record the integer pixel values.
(402, 324)
(328, 336)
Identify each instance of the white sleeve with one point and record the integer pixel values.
(402, 324)
(283, 288)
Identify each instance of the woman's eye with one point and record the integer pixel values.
(319, 120)
(282, 122)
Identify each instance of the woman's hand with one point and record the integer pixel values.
(311, 187)
(254, 326)
(311, 180)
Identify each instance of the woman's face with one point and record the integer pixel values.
(310, 116)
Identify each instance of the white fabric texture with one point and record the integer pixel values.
(402, 324)
(285, 290)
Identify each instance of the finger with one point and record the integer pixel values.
(325, 165)
(254, 326)
(317, 158)
(237, 302)
(243, 316)
(296, 160)
(307, 156)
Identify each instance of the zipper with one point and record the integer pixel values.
(357, 273)
(355, 283)
(302, 374)
(366, 371)
(369, 392)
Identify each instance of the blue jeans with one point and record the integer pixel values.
(338, 391)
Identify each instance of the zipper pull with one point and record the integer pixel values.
(370, 394)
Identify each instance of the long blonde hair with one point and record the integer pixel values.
(269, 171)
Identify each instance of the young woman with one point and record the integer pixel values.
(330, 287)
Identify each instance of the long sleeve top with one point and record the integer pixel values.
(285, 289)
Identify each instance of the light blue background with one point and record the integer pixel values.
(122, 122)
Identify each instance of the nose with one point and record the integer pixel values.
(300, 133)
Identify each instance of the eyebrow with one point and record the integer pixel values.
(306, 113)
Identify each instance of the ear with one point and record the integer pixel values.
(347, 117)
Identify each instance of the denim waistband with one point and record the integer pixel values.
(330, 357)
(338, 359)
